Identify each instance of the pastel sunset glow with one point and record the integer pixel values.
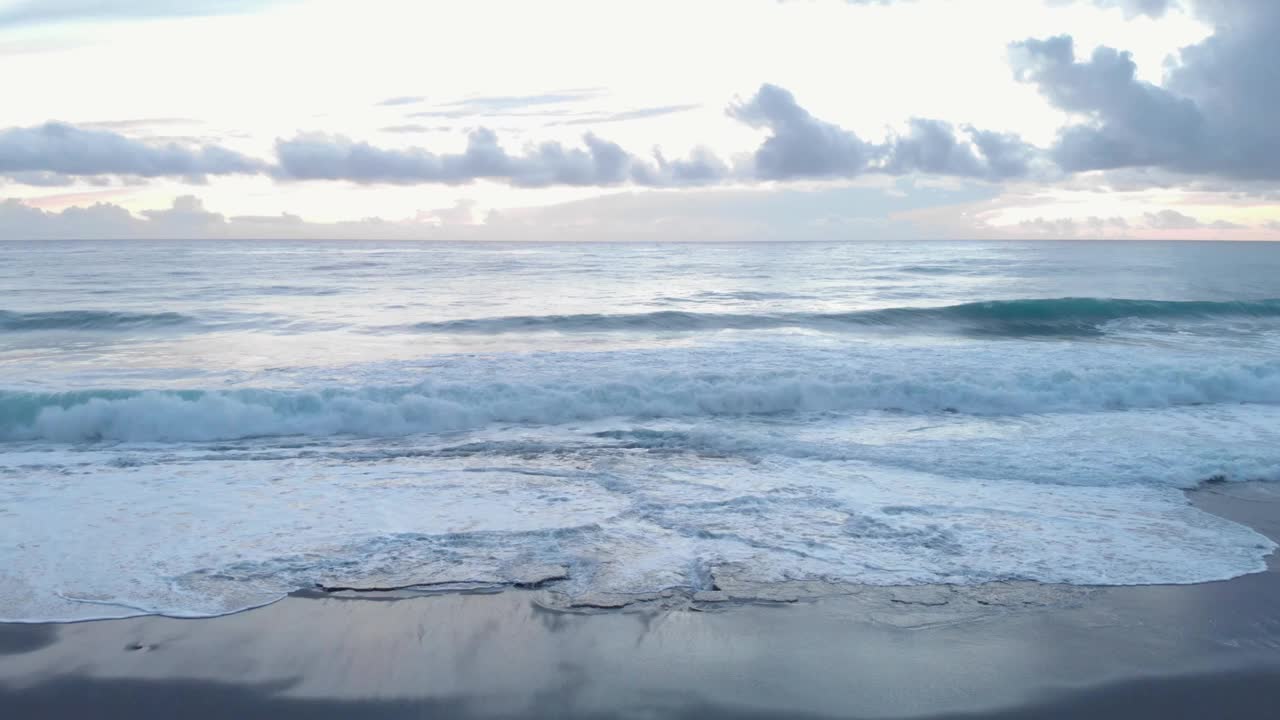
(830, 119)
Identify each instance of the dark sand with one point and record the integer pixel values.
(1003, 651)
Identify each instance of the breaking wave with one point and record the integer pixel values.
(430, 407)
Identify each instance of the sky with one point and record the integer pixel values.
(639, 121)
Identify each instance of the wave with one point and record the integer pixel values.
(1059, 316)
(434, 407)
(87, 320)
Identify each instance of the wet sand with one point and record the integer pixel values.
(1003, 651)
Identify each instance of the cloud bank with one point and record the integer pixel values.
(57, 150)
(1214, 114)
(802, 146)
(599, 163)
(798, 146)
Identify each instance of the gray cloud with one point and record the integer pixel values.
(832, 212)
(462, 213)
(22, 222)
(1213, 115)
(60, 149)
(1174, 220)
(1134, 123)
(802, 146)
(1131, 8)
(188, 218)
(40, 179)
(702, 167)
(598, 163)
(798, 146)
(187, 212)
(1170, 220)
(39, 12)
(1090, 227)
(281, 220)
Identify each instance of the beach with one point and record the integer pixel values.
(731, 359)
(1001, 650)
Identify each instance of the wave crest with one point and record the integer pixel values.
(87, 320)
(1015, 318)
(430, 407)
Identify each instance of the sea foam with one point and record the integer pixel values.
(444, 406)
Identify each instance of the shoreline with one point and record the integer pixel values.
(1000, 650)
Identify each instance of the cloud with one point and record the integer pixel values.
(1214, 113)
(1133, 123)
(598, 163)
(802, 146)
(826, 212)
(841, 212)
(463, 212)
(637, 114)
(40, 12)
(1131, 8)
(187, 218)
(1170, 220)
(1090, 227)
(415, 128)
(137, 123)
(66, 150)
(40, 179)
(186, 213)
(402, 100)
(283, 220)
(101, 220)
(1174, 220)
(509, 105)
(798, 146)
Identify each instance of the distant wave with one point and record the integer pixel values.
(1061, 316)
(87, 320)
(430, 407)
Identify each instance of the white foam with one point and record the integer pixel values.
(193, 530)
(990, 378)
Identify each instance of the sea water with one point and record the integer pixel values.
(195, 428)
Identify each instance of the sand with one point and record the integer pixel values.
(1003, 650)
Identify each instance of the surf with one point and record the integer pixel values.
(629, 390)
(1011, 318)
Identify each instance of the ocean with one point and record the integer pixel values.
(197, 428)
